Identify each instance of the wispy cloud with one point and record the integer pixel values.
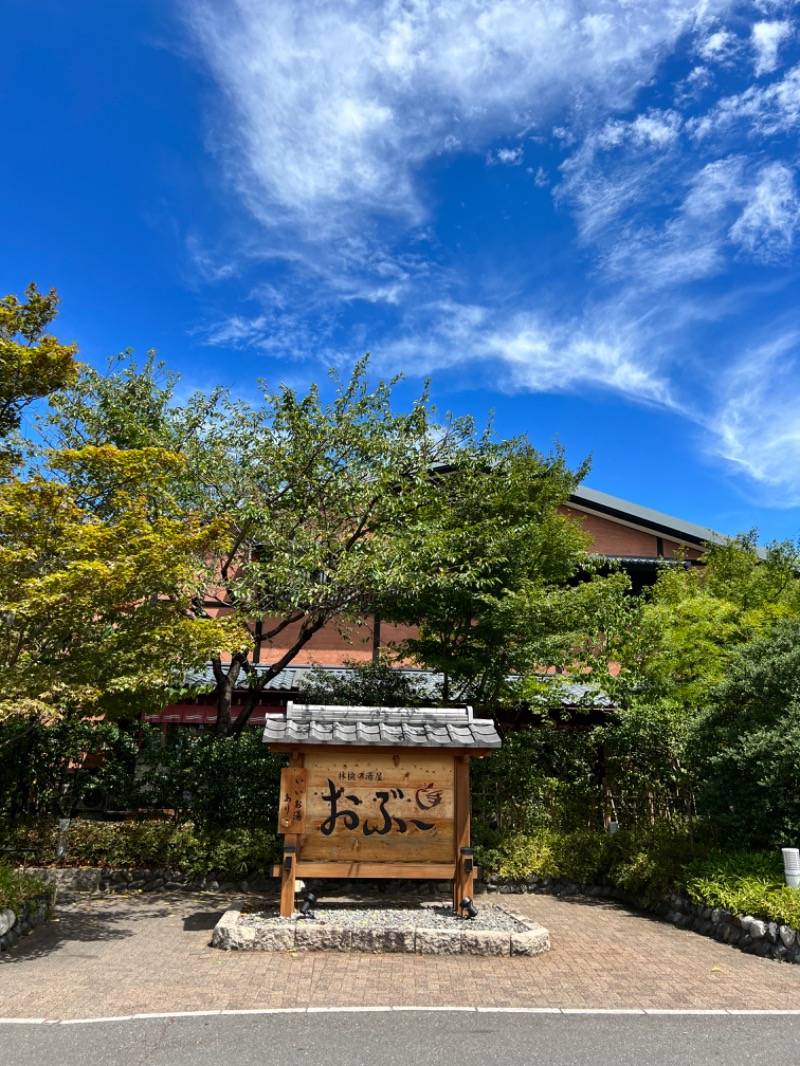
(331, 116)
(757, 422)
(767, 226)
(529, 351)
(331, 108)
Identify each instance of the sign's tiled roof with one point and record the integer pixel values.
(409, 727)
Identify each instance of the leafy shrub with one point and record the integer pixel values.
(16, 889)
(649, 862)
(169, 844)
(46, 770)
(749, 743)
(645, 863)
(366, 685)
(220, 782)
(541, 778)
(745, 883)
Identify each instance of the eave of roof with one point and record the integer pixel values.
(292, 679)
(613, 507)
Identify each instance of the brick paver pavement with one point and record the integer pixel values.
(111, 955)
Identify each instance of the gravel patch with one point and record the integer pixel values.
(489, 919)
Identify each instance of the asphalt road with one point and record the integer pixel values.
(411, 1038)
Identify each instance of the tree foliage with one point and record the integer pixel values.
(667, 754)
(95, 608)
(502, 582)
(100, 562)
(337, 508)
(749, 743)
(682, 638)
(374, 684)
(33, 363)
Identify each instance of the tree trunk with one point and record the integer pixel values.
(226, 684)
(307, 631)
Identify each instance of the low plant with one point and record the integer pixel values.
(16, 889)
(745, 883)
(646, 863)
(152, 843)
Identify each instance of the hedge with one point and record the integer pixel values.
(168, 844)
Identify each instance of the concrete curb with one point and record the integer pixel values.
(230, 934)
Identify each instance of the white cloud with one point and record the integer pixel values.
(509, 157)
(773, 109)
(529, 352)
(757, 423)
(767, 38)
(330, 111)
(719, 46)
(767, 226)
(332, 108)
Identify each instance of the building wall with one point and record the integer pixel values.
(610, 537)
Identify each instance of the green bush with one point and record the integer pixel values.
(180, 846)
(646, 863)
(749, 744)
(17, 888)
(215, 782)
(543, 778)
(47, 769)
(745, 883)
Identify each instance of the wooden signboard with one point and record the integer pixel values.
(367, 812)
(292, 811)
(378, 806)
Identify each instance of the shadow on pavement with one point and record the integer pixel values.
(205, 920)
(625, 910)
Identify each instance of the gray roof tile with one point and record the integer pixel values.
(417, 727)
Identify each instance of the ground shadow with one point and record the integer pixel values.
(204, 920)
(83, 918)
(628, 910)
(69, 926)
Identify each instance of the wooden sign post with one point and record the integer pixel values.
(375, 810)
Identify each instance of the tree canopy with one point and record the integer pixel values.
(96, 586)
(33, 363)
(338, 508)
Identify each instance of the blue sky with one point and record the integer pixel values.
(583, 216)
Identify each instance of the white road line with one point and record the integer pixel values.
(566, 1011)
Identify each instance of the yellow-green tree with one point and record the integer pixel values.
(95, 612)
(33, 363)
(96, 587)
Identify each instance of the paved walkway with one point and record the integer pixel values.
(112, 955)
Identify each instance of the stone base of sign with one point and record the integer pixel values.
(232, 934)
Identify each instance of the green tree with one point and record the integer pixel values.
(316, 498)
(749, 743)
(374, 684)
(33, 363)
(96, 610)
(682, 638)
(676, 650)
(95, 587)
(502, 583)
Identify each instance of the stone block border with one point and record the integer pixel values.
(232, 935)
(767, 940)
(13, 925)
